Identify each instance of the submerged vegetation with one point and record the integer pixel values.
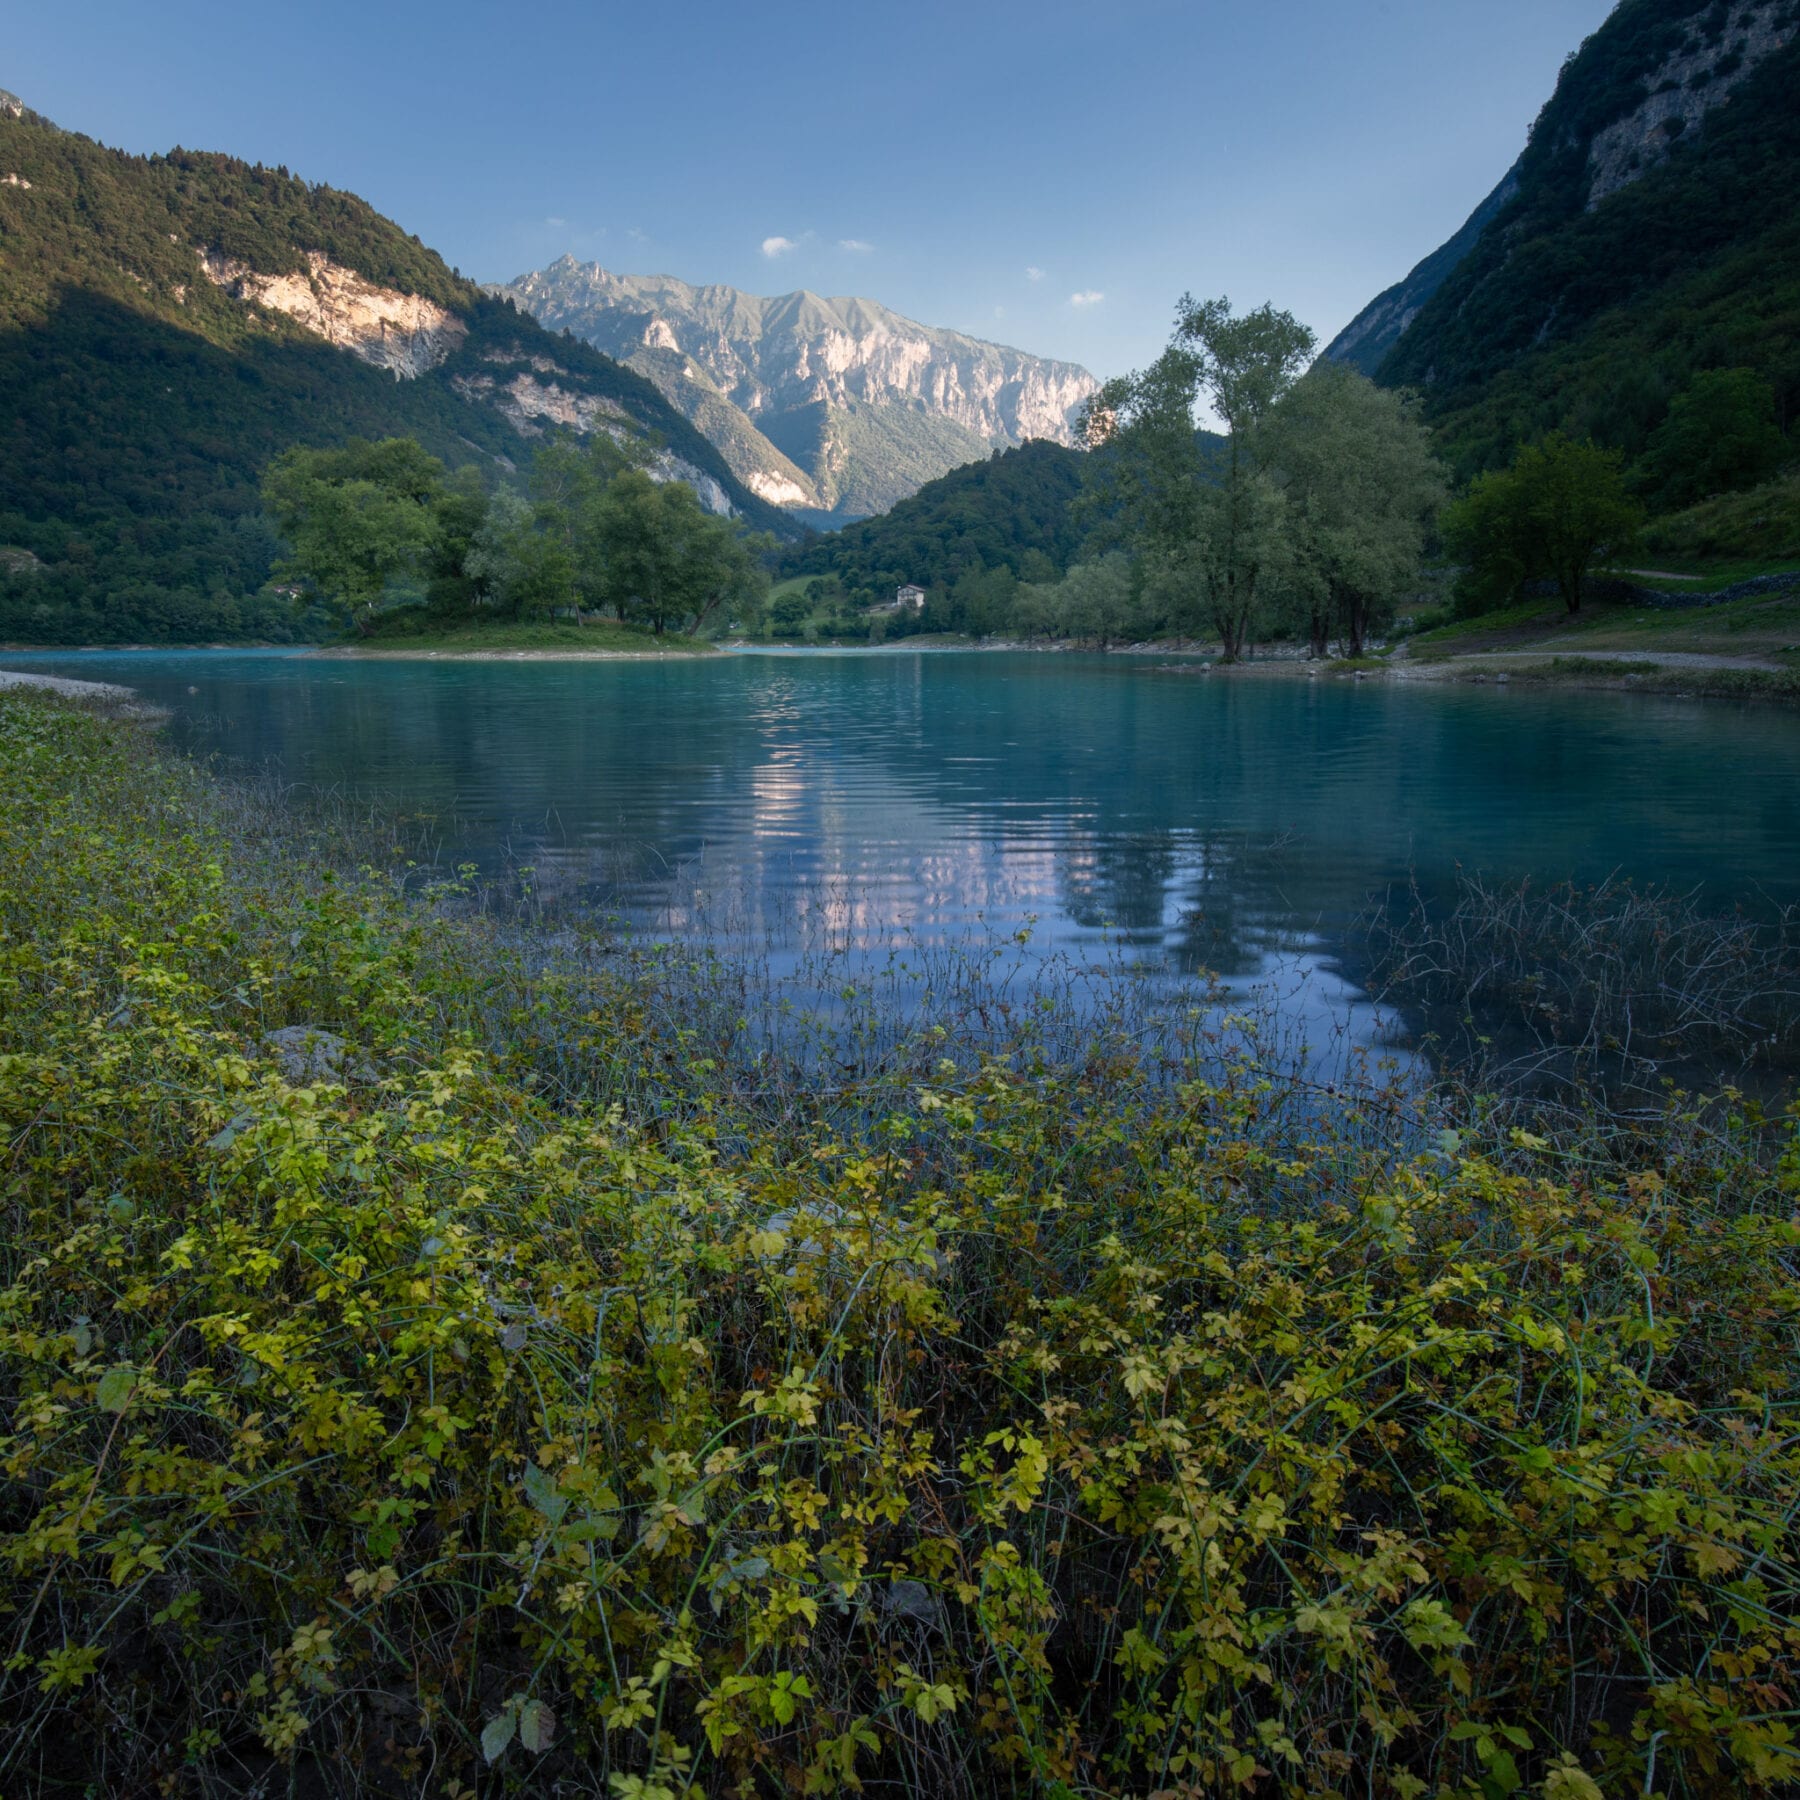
(435, 1361)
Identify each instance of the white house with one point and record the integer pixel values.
(909, 599)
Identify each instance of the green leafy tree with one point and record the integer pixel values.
(791, 611)
(1720, 435)
(1099, 600)
(356, 519)
(461, 508)
(517, 566)
(1206, 520)
(1551, 514)
(568, 482)
(664, 559)
(1360, 483)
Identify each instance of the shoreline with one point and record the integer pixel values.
(1672, 674)
(106, 696)
(356, 653)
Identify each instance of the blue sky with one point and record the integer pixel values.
(1048, 174)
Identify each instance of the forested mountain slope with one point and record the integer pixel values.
(1652, 233)
(170, 323)
(838, 407)
(1010, 511)
(1365, 342)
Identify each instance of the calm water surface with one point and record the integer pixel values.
(1234, 824)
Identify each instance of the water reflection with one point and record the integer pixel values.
(1185, 821)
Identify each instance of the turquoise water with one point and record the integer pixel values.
(865, 799)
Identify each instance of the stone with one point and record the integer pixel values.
(307, 1055)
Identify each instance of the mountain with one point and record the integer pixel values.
(1366, 340)
(836, 407)
(1648, 233)
(170, 323)
(1009, 511)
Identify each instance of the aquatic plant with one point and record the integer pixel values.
(392, 1408)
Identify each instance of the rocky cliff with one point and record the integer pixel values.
(839, 405)
(406, 334)
(1698, 72)
(1647, 233)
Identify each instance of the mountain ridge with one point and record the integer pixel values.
(833, 405)
(1366, 340)
(169, 323)
(1649, 236)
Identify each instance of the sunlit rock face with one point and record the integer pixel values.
(536, 402)
(835, 404)
(405, 334)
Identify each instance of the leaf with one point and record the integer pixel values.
(1570, 1782)
(540, 1490)
(497, 1733)
(1501, 1780)
(537, 1726)
(114, 1393)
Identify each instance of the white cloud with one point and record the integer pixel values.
(1087, 297)
(777, 246)
(1034, 273)
(860, 245)
(556, 224)
(999, 312)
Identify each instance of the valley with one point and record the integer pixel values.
(752, 1049)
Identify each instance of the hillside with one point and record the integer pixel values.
(170, 323)
(1650, 234)
(1365, 342)
(1010, 511)
(834, 407)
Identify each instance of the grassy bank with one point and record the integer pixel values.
(1600, 671)
(537, 1387)
(412, 631)
(1763, 627)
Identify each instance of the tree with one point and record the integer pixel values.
(791, 611)
(1103, 601)
(516, 565)
(460, 509)
(1550, 514)
(356, 519)
(1206, 519)
(664, 559)
(1720, 435)
(568, 480)
(1359, 481)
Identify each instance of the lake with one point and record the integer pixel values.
(1232, 823)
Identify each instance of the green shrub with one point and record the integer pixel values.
(1028, 1427)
